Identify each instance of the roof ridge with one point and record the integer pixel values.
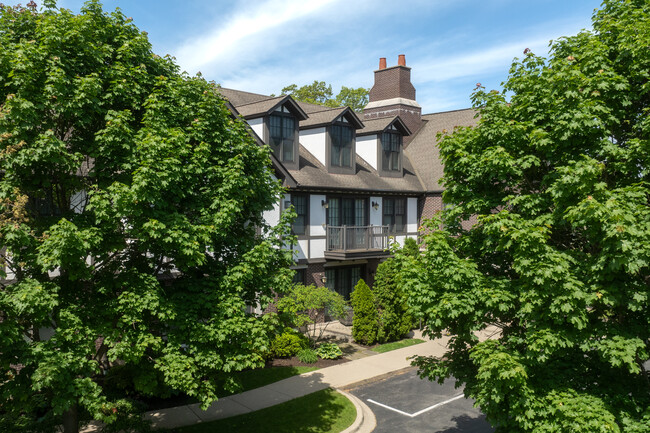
(450, 111)
(261, 100)
(243, 91)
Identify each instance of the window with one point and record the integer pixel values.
(343, 280)
(394, 214)
(299, 276)
(282, 134)
(300, 204)
(391, 144)
(347, 211)
(342, 139)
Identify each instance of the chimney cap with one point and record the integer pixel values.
(401, 60)
(382, 63)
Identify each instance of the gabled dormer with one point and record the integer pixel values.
(276, 122)
(380, 143)
(330, 135)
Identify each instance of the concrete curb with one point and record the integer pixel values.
(365, 422)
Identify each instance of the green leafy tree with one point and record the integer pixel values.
(356, 99)
(365, 323)
(304, 306)
(560, 256)
(320, 93)
(129, 203)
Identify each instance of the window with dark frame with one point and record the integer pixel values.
(394, 214)
(342, 280)
(342, 137)
(300, 204)
(345, 211)
(299, 276)
(391, 145)
(282, 134)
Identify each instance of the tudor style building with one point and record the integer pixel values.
(356, 181)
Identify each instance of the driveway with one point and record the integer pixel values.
(405, 403)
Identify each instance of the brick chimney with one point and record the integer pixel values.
(394, 95)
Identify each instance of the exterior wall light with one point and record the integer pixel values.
(324, 204)
(323, 279)
(375, 205)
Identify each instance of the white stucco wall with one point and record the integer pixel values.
(412, 214)
(375, 215)
(317, 248)
(367, 149)
(272, 217)
(314, 141)
(301, 249)
(317, 215)
(257, 125)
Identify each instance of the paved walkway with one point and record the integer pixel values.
(338, 376)
(368, 365)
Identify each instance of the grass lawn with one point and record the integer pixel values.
(396, 345)
(324, 411)
(251, 379)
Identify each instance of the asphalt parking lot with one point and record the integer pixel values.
(405, 403)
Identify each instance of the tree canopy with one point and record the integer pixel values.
(130, 207)
(559, 258)
(321, 93)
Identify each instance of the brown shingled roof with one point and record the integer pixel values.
(238, 97)
(376, 126)
(312, 174)
(423, 149)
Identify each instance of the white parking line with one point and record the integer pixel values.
(413, 415)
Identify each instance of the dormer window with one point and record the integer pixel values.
(282, 134)
(342, 136)
(391, 150)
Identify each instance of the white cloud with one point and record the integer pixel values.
(237, 32)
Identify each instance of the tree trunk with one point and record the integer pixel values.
(71, 420)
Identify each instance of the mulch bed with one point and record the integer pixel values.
(295, 362)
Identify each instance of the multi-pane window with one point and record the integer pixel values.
(282, 134)
(391, 143)
(299, 276)
(300, 205)
(394, 214)
(342, 140)
(347, 211)
(343, 280)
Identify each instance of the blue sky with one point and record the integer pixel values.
(263, 45)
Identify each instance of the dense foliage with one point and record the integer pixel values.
(288, 344)
(328, 351)
(321, 93)
(365, 323)
(305, 306)
(395, 318)
(307, 355)
(559, 260)
(129, 204)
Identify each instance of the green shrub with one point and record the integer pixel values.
(288, 344)
(303, 306)
(395, 319)
(308, 356)
(411, 247)
(365, 324)
(329, 351)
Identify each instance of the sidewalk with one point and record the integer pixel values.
(338, 376)
(367, 366)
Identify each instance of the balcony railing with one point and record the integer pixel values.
(357, 238)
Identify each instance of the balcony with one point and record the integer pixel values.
(352, 242)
